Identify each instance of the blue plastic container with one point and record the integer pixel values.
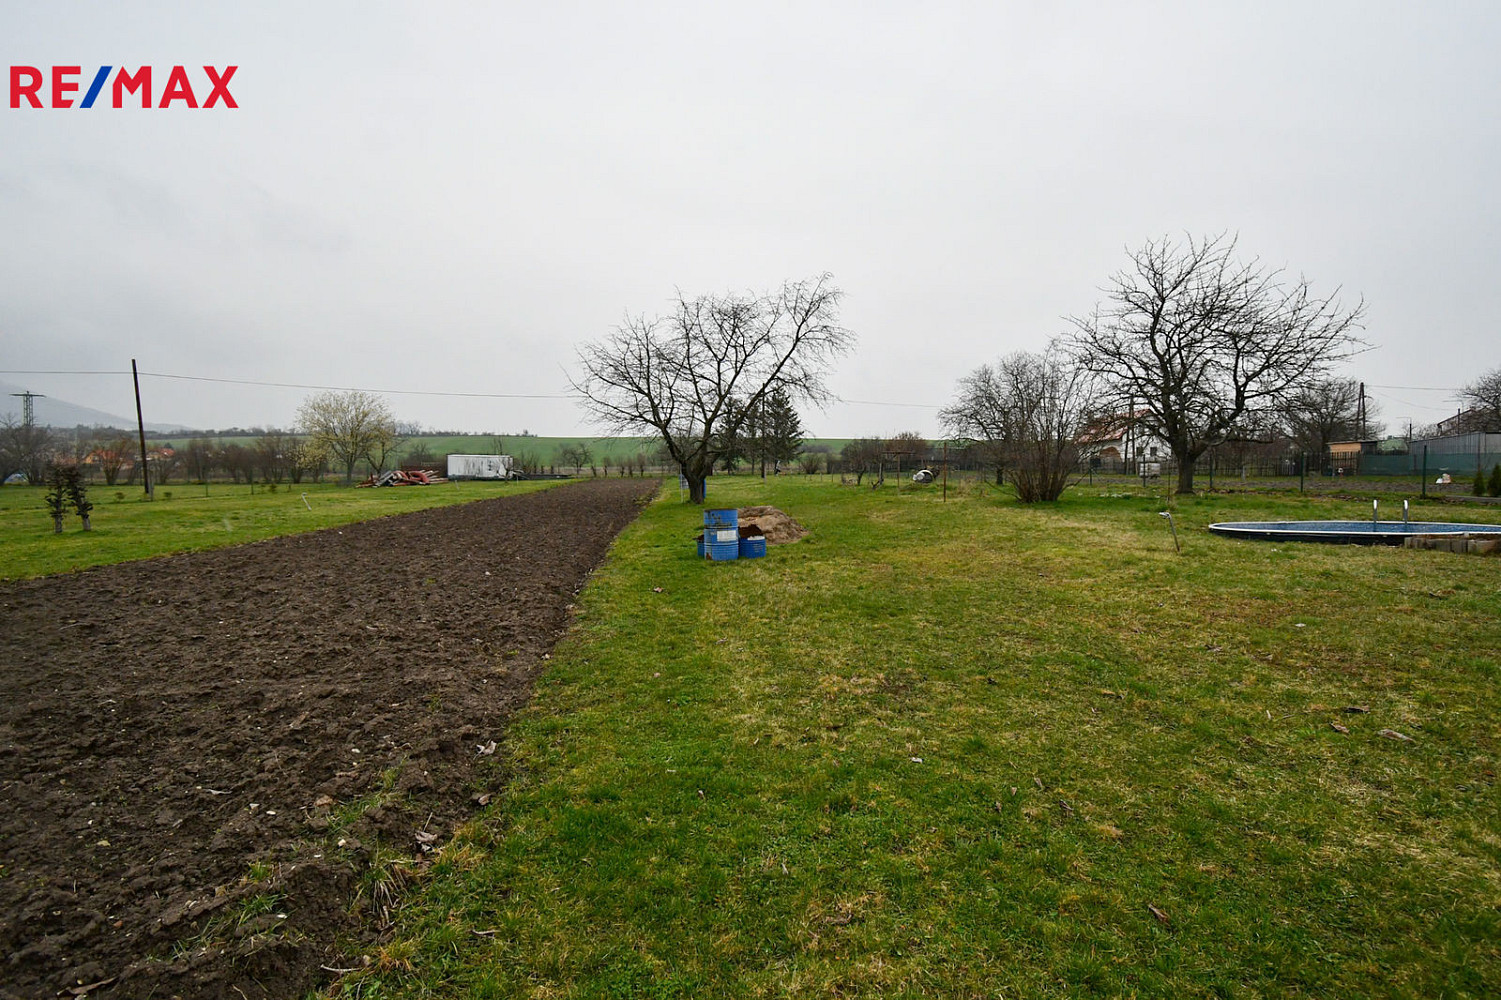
(722, 517)
(700, 546)
(753, 547)
(722, 551)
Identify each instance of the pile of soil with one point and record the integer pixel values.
(200, 753)
(778, 528)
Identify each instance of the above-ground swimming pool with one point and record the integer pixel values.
(1349, 532)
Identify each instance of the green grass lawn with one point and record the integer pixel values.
(977, 750)
(186, 517)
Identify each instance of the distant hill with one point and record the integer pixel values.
(546, 450)
(54, 412)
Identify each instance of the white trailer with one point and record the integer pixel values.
(479, 466)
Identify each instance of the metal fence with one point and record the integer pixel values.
(1417, 463)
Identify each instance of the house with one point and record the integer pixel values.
(1118, 442)
(1467, 422)
(1344, 456)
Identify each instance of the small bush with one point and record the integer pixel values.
(1479, 483)
(57, 496)
(1495, 483)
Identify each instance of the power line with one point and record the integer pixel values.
(1415, 388)
(32, 371)
(403, 392)
(877, 402)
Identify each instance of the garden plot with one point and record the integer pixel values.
(217, 765)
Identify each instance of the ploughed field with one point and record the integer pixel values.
(218, 768)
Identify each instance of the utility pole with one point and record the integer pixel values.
(141, 428)
(945, 471)
(28, 416)
(1362, 411)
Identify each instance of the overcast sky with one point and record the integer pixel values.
(451, 197)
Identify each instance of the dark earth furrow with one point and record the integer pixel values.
(185, 741)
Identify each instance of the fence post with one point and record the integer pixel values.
(1302, 468)
(1425, 472)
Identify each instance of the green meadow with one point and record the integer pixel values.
(972, 749)
(189, 517)
(547, 450)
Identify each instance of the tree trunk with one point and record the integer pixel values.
(1185, 476)
(695, 489)
(86, 525)
(57, 524)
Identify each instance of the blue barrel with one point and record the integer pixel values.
(724, 517)
(753, 547)
(722, 543)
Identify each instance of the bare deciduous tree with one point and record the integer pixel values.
(27, 448)
(1031, 410)
(862, 455)
(1483, 396)
(676, 376)
(907, 446)
(198, 459)
(1324, 412)
(348, 425)
(112, 451)
(1198, 342)
(577, 454)
(238, 461)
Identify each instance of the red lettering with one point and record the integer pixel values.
(61, 85)
(221, 87)
(178, 89)
(19, 90)
(125, 82)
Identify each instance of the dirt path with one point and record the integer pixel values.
(185, 742)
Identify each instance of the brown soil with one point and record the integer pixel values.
(200, 755)
(778, 528)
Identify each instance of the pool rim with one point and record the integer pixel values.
(1352, 532)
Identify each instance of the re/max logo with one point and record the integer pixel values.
(26, 85)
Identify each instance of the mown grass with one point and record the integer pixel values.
(973, 749)
(126, 526)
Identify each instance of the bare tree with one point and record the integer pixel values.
(198, 457)
(1033, 408)
(238, 461)
(908, 446)
(112, 451)
(165, 461)
(273, 455)
(527, 461)
(978, 417)
(1322, 413)
(862, 455)
(1483, 396)
(577, 454)
(27, 448)
(1198, 342)
(348, 425)
(676, 376)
